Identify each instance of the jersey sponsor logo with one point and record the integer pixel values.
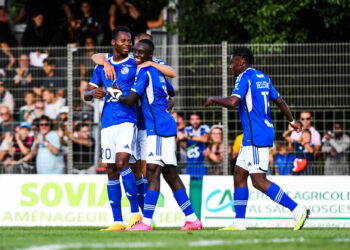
(193, 152)
(126, 146)
(124, 70)
(262, 85)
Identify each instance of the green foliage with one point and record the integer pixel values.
(263, 21)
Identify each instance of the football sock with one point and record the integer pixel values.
(115, 196)
(145, 185)
(277, 194)
(240, 198)
(140, 190)
(185, 204)
(129, 183)
(149, 206)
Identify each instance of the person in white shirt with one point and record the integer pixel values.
(53, 103)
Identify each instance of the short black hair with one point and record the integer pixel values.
(119, 29)
(49, 61)
(46, 118)
(149, 43)
(245, 53)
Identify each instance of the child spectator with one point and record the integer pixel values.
(27, 110)
(284, 160)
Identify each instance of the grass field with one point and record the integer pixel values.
(49, 238)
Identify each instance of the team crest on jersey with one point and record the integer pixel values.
(125, 70)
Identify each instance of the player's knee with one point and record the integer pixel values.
(121, 164)
(257, 183)
(112, 171)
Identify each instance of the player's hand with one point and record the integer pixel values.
(109, 71)
(171, 104)
(99, 93)
(209, 101)
(297, 126)
(114, 92)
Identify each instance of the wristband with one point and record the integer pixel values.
(292, 122)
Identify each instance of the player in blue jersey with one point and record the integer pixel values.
(252, 92)
(118, 127)
(139, 168)
(150, 87)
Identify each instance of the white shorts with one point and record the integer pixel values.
(253, 159)
(141, 144)
(161, 150)
(119, 138)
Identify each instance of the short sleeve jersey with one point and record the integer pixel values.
(255, 89)
(115, 112)
(195, 149)
(151, 86)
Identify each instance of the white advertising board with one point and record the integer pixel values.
(328, 198)
(73, 200)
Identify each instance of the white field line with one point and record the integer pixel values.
(200, 243)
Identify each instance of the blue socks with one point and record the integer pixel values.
(145, 185)
(185, 204)
(140, 192)
(277, 194)
(149, 206)
(115, 196)
(129, 183)
(240, 198)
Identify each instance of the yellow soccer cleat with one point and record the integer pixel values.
(237, 225)
(134, 219)
(114, 227)
(300, 216)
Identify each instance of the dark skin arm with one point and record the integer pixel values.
(282, 105)
(129, 100)
(93, 92)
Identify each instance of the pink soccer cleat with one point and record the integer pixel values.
(140, 227)
(196, 225)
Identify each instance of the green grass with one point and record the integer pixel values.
(46, 238)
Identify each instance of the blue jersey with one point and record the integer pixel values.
(151, 86)
(115, 112)
(254, 88)
(195, 149)
(141, 124)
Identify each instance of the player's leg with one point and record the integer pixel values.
(113, 187)
(144, 172)
(126, 152)
(137, 170)
(241, 192)
(172, 178)
(260, 182)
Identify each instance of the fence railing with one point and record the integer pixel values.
(310, 77)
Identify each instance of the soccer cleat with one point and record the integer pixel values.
(114, 227)
(140, 227)
(300, 216)
(196, 225)
(235, 226)
(153, 224)
(134, 219)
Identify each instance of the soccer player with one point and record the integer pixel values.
(118, 127)
(150, 87)
(139, 168)
(252, 92)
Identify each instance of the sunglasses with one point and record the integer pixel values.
(44, 124)
(4, 113)
(39, 107)
(303, 119)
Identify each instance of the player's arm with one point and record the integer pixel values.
(282, 105)
(227, 102)
(162, 68)
(101, 59)
(129, 100)
(93, 92)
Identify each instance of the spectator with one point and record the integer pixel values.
(89, 25)
(49, 158)
(284, 160)
(214, 153)
(336, 146)
(6, 98)
(197, 136)
(6, 40)
(39, 110)
(7, 124)
(306, 120)
(63, 114)
(35, 34)
(27, 110)
(69, 33)
(180, 139)
(53, 103)
(235, 151)
(83, 149)
(18, 146)
(304, 152)
(51, 79)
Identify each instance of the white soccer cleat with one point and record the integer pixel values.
(237, 225)
(300, 214)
